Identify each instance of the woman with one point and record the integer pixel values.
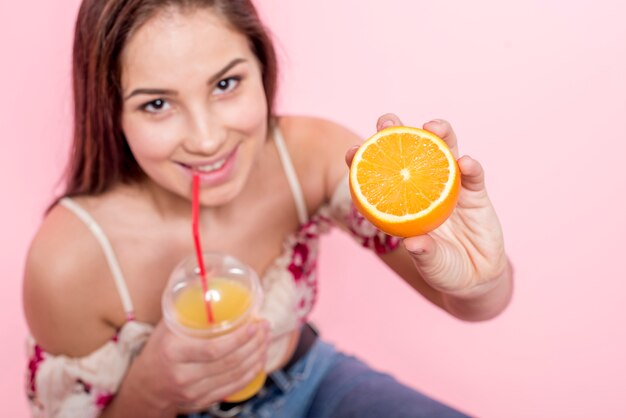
(165, 90)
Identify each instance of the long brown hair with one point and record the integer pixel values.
(100, 155)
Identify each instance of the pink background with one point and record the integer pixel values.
(536, 91)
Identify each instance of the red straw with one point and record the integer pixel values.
(196, 239)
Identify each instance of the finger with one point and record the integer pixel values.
(188, 374)
(208, 350)
(472, 174)
(216, 387)
(252, 369)
(350, 154)
(428, 257)
(444, 130)
(422, 248)
(387, 120)
(218, 394)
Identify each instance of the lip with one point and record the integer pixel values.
(215, 177)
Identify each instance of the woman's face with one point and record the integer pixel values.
(193, 103)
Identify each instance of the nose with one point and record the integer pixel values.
(205, 136)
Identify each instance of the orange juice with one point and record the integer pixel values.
(230, 304)
(229, 301)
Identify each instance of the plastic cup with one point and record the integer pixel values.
(234, 294)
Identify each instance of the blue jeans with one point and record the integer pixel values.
(328, 384)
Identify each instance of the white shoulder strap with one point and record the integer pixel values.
(292, 177)
(91, 223)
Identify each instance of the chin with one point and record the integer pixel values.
(222, 195)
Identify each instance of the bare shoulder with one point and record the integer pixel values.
(65, 286)
(316, 133)
(328, 141)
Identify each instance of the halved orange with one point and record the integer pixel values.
(405, 181)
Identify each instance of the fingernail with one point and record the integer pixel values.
(416, 251)
(252, 329)
(386, 124)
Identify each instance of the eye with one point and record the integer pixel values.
(156, 106)
(226, 85)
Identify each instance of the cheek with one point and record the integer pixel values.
(248, 113)
(147, 141)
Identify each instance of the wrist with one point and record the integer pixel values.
(484, 301)
(139, 394)
(148, 387)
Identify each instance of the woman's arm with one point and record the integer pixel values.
(68, 296)
(481, 304)
(462, 266)
(175, 374)
(136, 395)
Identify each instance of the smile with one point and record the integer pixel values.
(213, 173)
(207, 168)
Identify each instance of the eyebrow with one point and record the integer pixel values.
(214, 78)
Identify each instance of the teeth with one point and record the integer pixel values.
(211, 167)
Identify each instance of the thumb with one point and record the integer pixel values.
(423, 250)
(472, 174)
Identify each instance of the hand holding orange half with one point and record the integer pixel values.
(410, 182)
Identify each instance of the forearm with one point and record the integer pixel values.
(134, 400)
(484, 303)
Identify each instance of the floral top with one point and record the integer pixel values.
(60, 386)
